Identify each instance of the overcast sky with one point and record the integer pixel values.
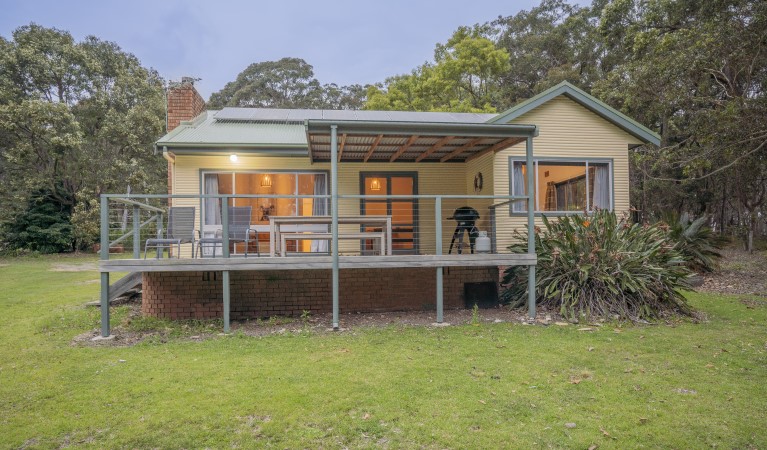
(346, 41)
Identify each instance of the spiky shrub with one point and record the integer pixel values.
(694, 240)
(599, 266)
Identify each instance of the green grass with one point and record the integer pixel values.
(491, 385)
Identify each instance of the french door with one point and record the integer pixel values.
(404, 212)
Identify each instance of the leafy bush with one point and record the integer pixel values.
(600, 266)
(43, 227)
(694, 240)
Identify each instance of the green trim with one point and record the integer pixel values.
(589, 102)
(210, 146)
(422, 128)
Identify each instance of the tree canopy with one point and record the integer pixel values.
(463, 78)
(287, 83)
(77, 119)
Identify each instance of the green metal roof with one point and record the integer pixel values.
(593, 104)
(206, 131)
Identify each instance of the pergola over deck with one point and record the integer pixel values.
(378, 141)
(364, 141)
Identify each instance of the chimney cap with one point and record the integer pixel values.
(185, 82)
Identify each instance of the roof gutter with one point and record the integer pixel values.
(422, 128)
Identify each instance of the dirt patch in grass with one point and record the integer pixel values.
(740, 273)
(85, 267)
(124, 334)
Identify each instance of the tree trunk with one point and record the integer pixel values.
(752, 223)
(724, 202)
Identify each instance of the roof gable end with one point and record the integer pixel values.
(589, 102)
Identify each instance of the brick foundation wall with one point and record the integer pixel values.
(199, 295)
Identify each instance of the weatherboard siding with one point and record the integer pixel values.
(433, 178)
(567, 130)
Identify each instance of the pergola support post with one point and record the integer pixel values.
(227, 302)
(438, 251)
(104, 255)
(334, 217)
(530, 226)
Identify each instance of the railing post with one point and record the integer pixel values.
(136, 232)
(530, 226)
(334, 217)
(104, 255)
(160, 220)
(438, 251)
(493, 242)
(225, 227)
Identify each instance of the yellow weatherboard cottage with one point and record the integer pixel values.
(370, 203)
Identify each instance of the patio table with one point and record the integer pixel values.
(276, 224)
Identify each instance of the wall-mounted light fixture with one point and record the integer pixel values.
(266, 181)
(375, 185)
(233, 157)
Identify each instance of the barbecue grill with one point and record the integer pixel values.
(466, 218)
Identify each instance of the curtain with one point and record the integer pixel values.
(601, 198)
(518, 188)
(320, 208)
(212, 205)
(551, 197)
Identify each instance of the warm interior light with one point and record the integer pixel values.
(375, 185)
(266, 181)
(233, 157)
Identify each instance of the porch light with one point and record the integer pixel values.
(266, 181)
(375, 185)
(233, 157)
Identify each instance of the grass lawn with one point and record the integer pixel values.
(486, 386)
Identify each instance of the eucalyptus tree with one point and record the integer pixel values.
(77, 119)
(286, 83)
(463, 77)
(697, 71)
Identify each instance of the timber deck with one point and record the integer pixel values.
(315, 262)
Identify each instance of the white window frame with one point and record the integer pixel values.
(555, 160)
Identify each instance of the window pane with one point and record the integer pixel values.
(402, 185)
(519, 185)
(312, 184)
(599, 186)
(562, 186)
(375, 208)
(402, 212)
(375, 185)
(215, 183)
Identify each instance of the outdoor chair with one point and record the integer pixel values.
(180, 231)
(239, 231)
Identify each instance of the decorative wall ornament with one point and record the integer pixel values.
(478, 182)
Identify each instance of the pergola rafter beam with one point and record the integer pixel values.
(404, 148)
(499, 146)
(341, 146)
(438, 145)
(373, 148)
(461, 149)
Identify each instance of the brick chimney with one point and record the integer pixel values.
(184, 102)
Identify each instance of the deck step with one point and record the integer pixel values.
(124, 284)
